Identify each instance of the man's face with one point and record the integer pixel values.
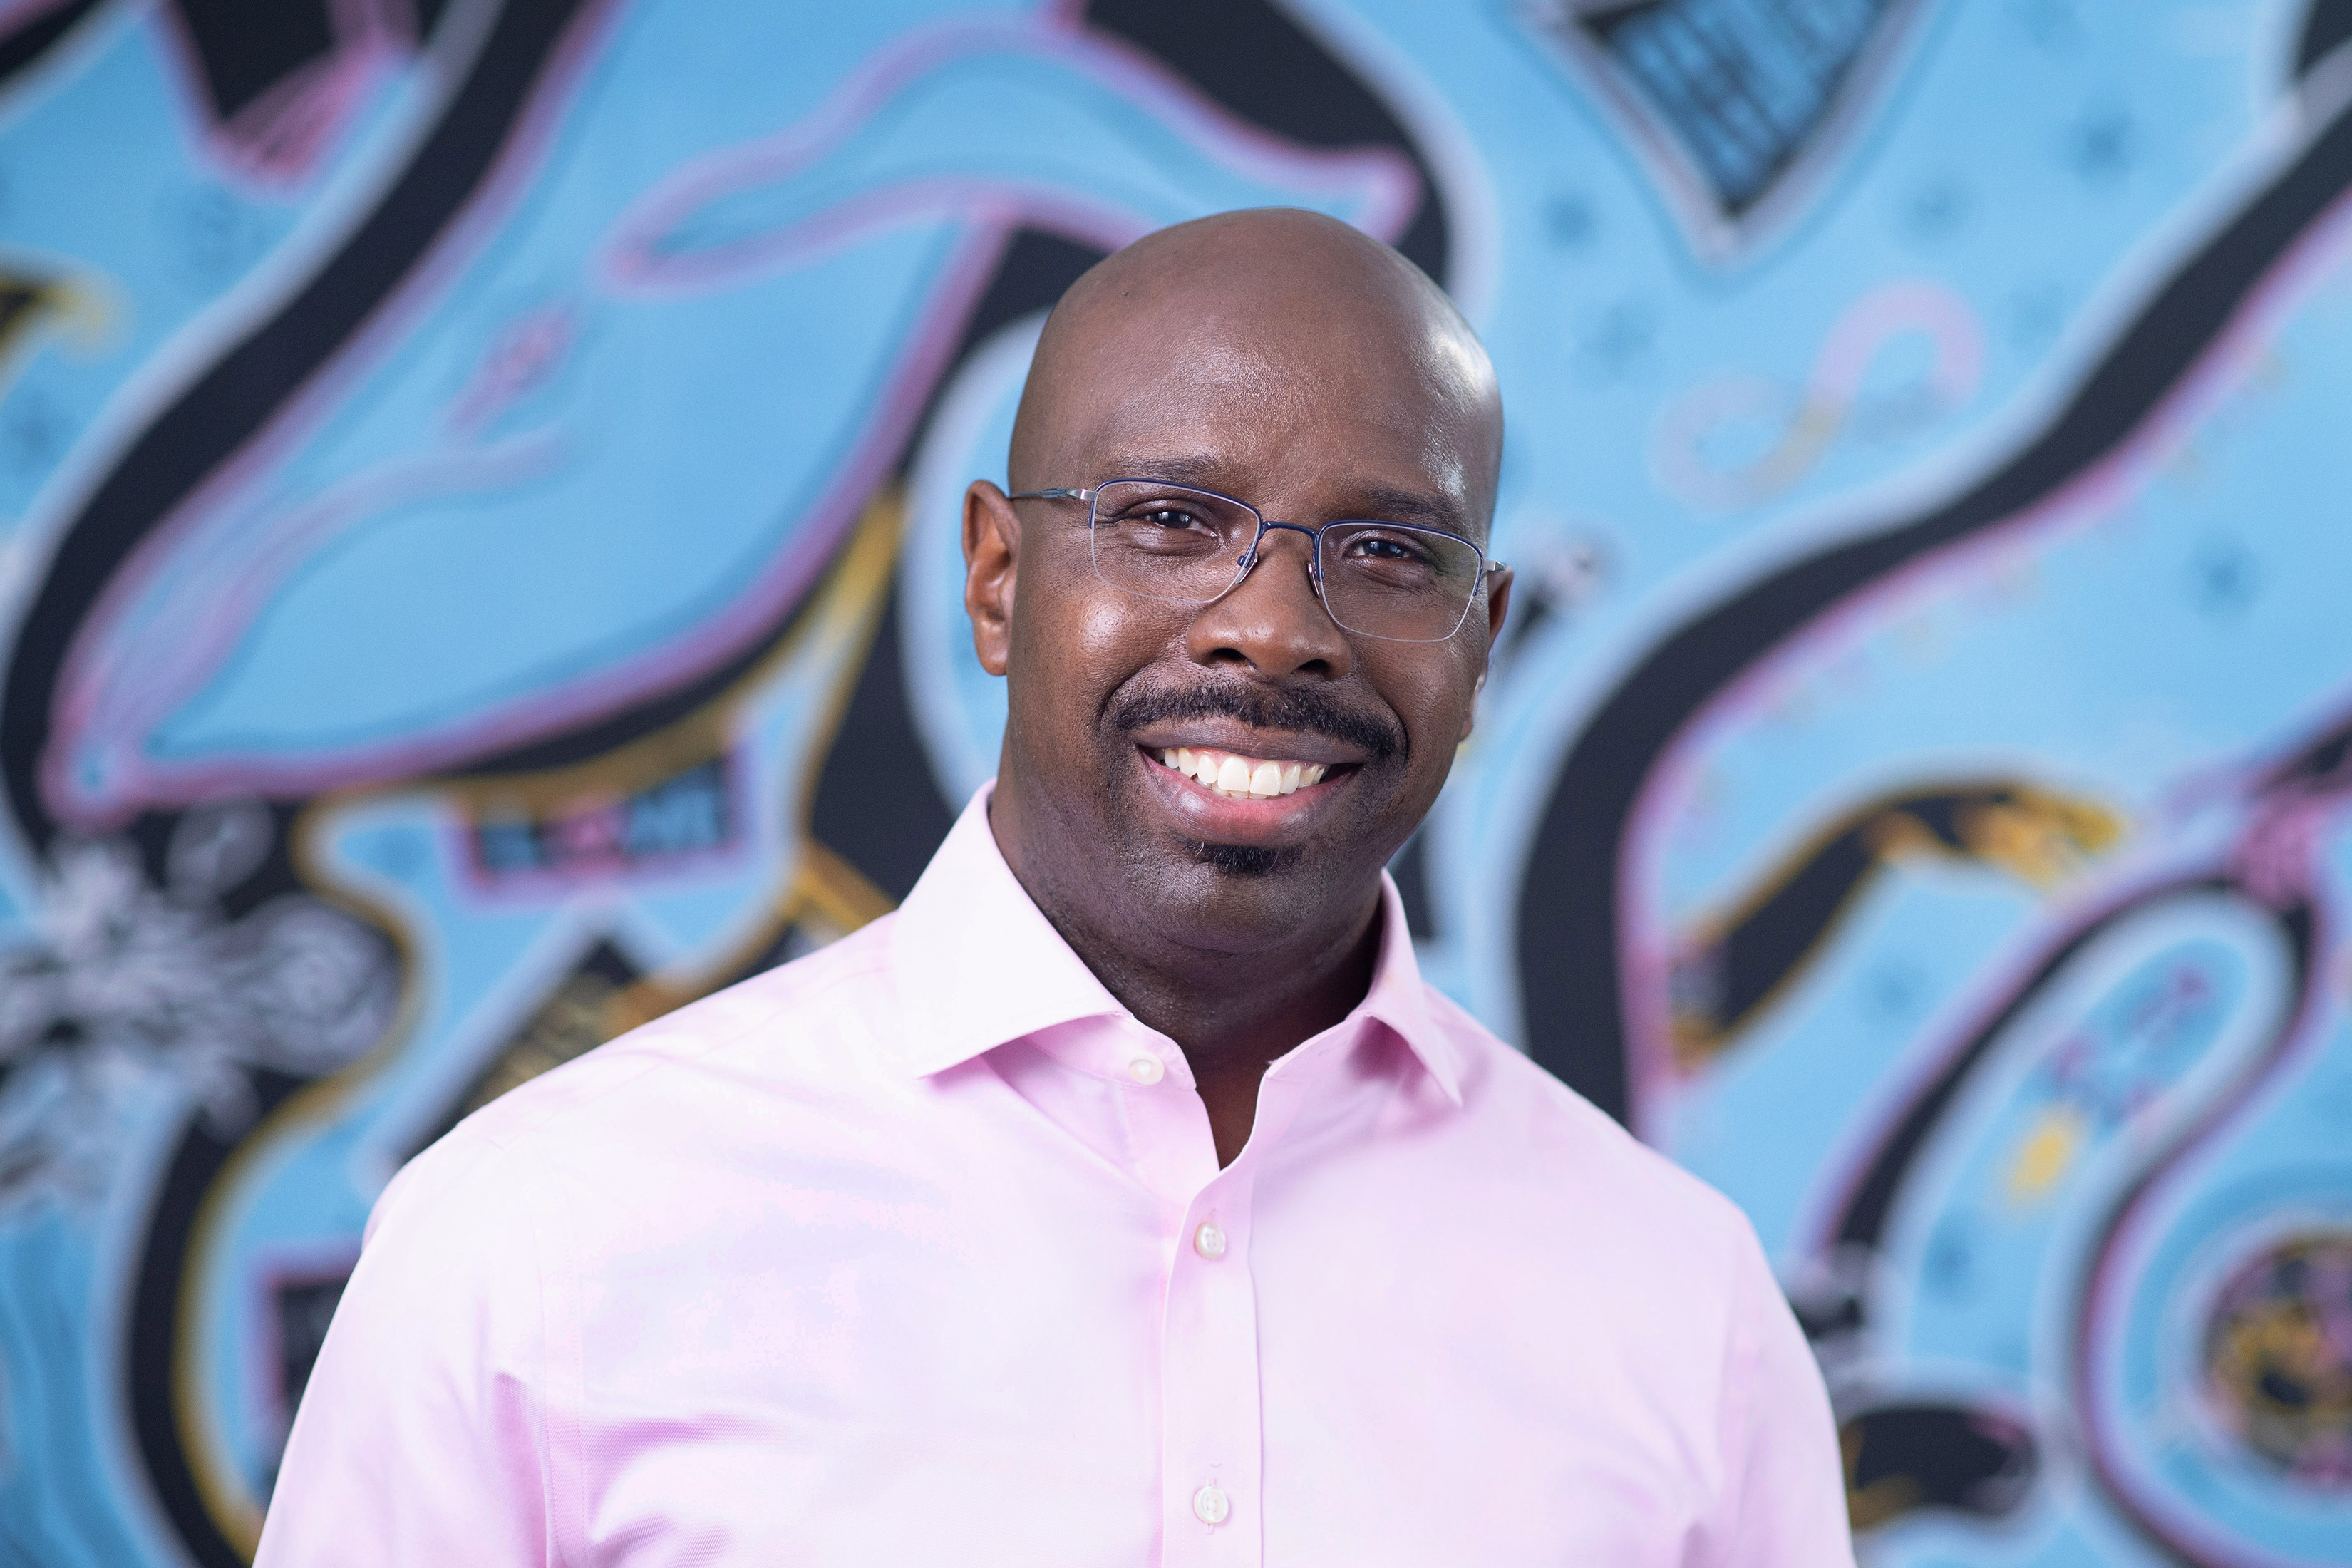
(1308, 418)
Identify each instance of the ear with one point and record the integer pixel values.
(992, 560)
(1498, 606)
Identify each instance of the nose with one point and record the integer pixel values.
(1271, 620)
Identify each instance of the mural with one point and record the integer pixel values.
(477, 568)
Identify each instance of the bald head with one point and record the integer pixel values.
(1280, 307)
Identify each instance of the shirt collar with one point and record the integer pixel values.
(977, 965)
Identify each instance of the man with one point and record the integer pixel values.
(1125, 1197)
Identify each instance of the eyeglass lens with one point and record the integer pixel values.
(1380, 579)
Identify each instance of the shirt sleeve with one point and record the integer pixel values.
(422, 1435)
(1783, 1502)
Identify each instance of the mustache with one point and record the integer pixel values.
(1307, 710)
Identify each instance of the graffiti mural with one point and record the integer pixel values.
(478, 569)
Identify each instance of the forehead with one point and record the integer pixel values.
(1307, 398)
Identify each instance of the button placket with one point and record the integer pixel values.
(1210, 1406)
(1167, 1126)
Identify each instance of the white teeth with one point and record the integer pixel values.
(1244, 778)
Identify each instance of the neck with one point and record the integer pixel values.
(1232, 1013)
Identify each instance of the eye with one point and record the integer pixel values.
(1168, 517)
(1385, 547)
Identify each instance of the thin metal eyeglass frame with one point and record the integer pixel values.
(1249, 558)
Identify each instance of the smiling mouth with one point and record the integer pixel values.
(1239, 778)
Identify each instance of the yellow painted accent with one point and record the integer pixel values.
(2036, 834)
(2045, 1156)
(1888, 1498)
(2042, 839)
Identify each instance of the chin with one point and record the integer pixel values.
(1250, 860)
(1236, 897)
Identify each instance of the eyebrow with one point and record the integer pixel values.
(1380, 502)
(1201, 471)
(1390, 504)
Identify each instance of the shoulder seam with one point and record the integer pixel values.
(503, 1139)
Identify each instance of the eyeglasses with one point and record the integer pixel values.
(1400, 582)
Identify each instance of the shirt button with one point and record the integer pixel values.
(1146, 1070)
(1210, 1506)
(1209, 1242)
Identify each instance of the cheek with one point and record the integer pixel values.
(1431, 697)
(1104, 629)
(1073, 645)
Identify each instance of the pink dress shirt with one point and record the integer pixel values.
(917, 1251)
